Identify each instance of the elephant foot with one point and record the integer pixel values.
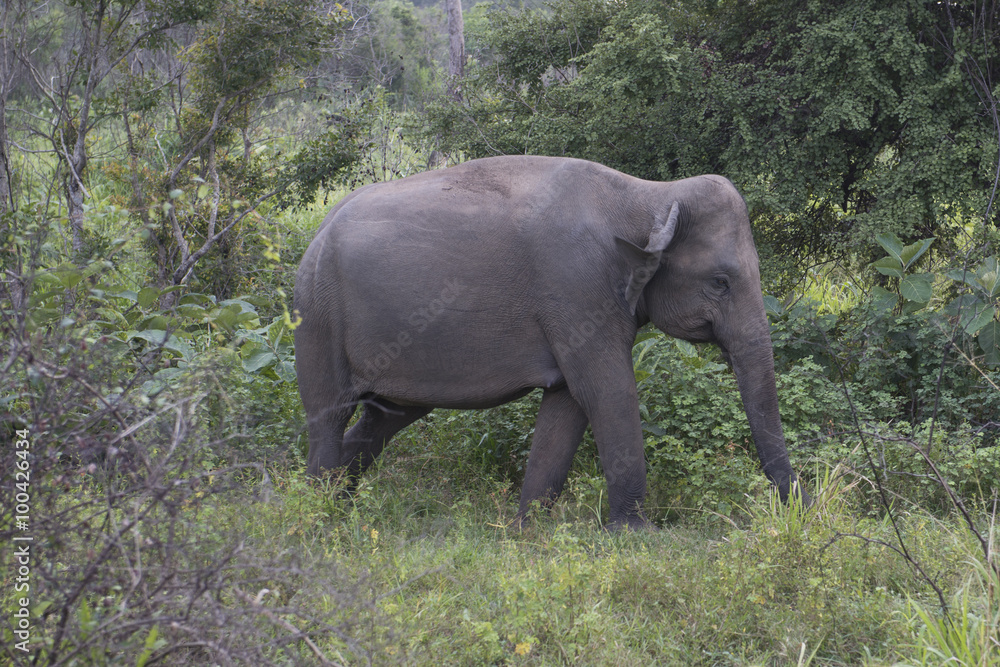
(340, 482)
(799, 492)
(789, 487)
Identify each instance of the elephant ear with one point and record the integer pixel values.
(643, 262)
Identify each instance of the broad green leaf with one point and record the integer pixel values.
(986, 277)
(963, 276)
(147, 296)
(163, 339)
(990, 282)
(225, 317)
(685, 348)
(244, 318)
(773, 306)
(154, 322)
(889, 266)
(653, 429)
(645, 335)
(639, 353)
(258, 360)
(242, 305)
(160, 380)
(964, 306)
(69, 275)
(191, 311)
(285, 370)
(977, 321)
(126, 294)
(253, 337)
(915, 251)
(276, 331)
(882, 299)
(40, 316)
(892, 245)
(917, 287)
(112, 315)
(989, 340)
(255, 301)
(198, 298)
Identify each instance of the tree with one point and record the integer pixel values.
(238, 61)
(456, 46)
(106, 33)
(212, 67)
(396, 45)
(13, 22)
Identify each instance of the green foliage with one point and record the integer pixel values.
(914, 290)
(699, 448)
(411, 45)
(978, 311)
(494, 442)
(369, 142)
(321, 164)
(968, 633)
(249, 46)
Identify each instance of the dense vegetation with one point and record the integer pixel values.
(163, 166)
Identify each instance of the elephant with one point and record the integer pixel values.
(470, 286)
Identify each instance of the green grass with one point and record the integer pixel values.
(452, 583)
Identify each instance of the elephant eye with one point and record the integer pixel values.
(722, 283)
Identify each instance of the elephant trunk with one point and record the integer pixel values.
(753, 362)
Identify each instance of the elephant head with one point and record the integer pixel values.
(698, 279)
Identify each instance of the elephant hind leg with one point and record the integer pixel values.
(326, 436)
(327, 396)
(381, 420)
(559, 429)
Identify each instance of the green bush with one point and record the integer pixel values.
(698, 444)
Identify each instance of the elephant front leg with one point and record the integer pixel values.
(612, 405)
(618, 432)
(559, 429)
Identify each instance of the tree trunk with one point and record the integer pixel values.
(456, 47)
(7, 59)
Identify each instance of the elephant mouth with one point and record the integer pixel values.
(702, 333)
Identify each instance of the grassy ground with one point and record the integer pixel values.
(427, 543)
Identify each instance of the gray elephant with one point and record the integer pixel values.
(471, 286)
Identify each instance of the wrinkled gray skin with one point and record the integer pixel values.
(470, 286)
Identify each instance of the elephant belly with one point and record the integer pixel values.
(449, 375)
